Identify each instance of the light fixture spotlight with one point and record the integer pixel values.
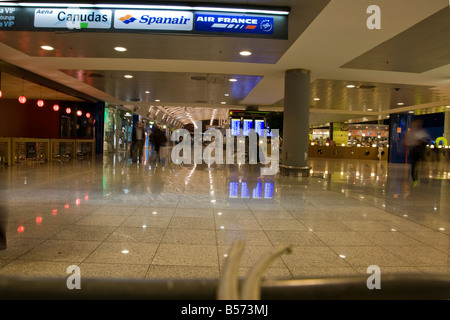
(245, 53)
(48, 48)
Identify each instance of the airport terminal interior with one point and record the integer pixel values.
(342, 80)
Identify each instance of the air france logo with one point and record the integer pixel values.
(266, 25)
(233, 23)
(127, 19)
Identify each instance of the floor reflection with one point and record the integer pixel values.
(389, 186)
(154, 219)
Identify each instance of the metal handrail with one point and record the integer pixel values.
(393, 286)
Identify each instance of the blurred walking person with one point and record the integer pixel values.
(416, 140)
(138, 140)
(157, 138)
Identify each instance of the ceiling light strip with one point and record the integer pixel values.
(153, 7)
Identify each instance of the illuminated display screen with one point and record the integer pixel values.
(268, 190)
(233, 189)
(257, 191)
(235, 127)
(248, 124)
(259, 127)
(244, 190)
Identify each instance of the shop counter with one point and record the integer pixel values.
(5, 151)
(339, 152)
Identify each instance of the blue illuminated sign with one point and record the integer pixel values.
(268, 190)
(235, 127)
(233, 23)
(259, 127)
(248, 124)
(257, 191)
(234, 189)
(244, 190)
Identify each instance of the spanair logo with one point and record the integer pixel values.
(127, 19)
(153, 20)
(266, 25)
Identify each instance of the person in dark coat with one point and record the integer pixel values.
(416, 139)
(157, 138)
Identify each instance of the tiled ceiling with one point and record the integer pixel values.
(146, 87)
(422, 47)
(369, 96)
(12, 87)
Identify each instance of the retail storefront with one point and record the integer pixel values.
(117, 130)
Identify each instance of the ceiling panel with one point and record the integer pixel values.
(12, 87)
(380, 97)
(334, 94)
(170, 87)
(423, 47)
(145, 46)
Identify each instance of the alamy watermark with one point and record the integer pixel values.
(374, 21)
(374, 280)
(241, 148)
(74, 279)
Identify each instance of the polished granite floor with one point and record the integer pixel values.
(118, 219)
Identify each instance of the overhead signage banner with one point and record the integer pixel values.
(234, 23)
(48, 18)
(72, 18)
(153, 20)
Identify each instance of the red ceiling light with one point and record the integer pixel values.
(68, 110)
(22, 98)
(40, 102)
(79, 113)
(1, 93)
(56, 107)
(88, 115)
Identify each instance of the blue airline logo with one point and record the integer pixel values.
(233, 23)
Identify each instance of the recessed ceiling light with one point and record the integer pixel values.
(147, 91)
(369, 109)
(448, 107)
(227, 95)
(316, 99)
(223, 102)
(400, 103)
(49, 48)
(245, 53)
(128, 76)
(350, 86)
(120, 49)
(232, 80)
(411, 111)
(157, 100)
